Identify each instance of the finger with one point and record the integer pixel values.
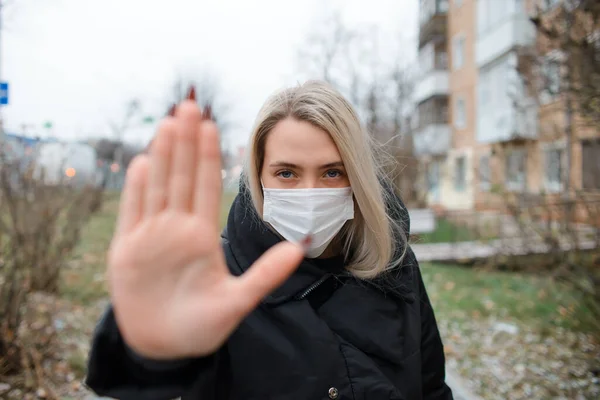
(207, 195)
(266, 274)
(161, 153)
(170, 113)
(183, 164)
(131, 206)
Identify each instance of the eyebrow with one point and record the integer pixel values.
(280, 164)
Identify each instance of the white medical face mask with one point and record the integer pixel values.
(295, 213)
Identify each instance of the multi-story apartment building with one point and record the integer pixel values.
(445, 97)
(506, 117)
(479, 127)
(463, 84)
(432, 136)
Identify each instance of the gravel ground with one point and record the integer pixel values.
(498, 360)
(486, 358)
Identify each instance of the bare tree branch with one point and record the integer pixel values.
(209, 93)
(325, 47)
(351, 60)
(132, 110)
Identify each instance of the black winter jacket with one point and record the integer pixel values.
(321, 335)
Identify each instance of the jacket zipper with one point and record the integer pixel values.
(313, 287)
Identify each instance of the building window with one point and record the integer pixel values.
(432, 58)
(550, 80)
(553, 169)
(428, 8)
(484, 92)
(444, 112)
(441, 60)
(550, 4)
(485, 172)
(432, 111)
(516, 170)
(433, 180)
(492, 13)
(458, 51)
(590, 164)
(426, 58)
(442, 5)
(501, 102)
(460, 174)
(460, 113)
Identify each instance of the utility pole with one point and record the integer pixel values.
(1, 59)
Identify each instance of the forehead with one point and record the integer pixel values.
(300, 142)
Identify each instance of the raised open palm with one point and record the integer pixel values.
(172, 293)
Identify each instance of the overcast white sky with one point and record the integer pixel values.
(76, 63)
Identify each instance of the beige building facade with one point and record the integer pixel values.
(479, 129)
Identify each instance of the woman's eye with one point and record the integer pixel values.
(286, 174)
(333, 173)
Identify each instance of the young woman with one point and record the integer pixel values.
(311, 292)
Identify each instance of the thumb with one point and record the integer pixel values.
(268, 273)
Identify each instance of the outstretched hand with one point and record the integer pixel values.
(172, 292)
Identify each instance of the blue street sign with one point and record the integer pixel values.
(3, 93)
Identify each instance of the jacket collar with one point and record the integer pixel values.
(249, 238)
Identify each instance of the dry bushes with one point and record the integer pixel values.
(40, 225)
(568, 229)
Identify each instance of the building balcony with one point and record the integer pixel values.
(432, 83)
(432, 140)
(506, 124)
(512, 33)
(435, 27)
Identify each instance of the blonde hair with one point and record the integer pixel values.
(372, 242)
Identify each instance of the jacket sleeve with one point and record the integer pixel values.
(116, 371)
(433, 361)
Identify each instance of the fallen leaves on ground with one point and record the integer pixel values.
(502, 360)
(498, 359)
(60, 333)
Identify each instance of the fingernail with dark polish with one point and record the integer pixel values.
(191, 95)
(306, 242)
(171, 112)
(208, 113)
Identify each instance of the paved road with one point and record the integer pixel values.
(458, 386)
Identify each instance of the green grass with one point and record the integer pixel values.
(83, 279)
(228, 198)
(78, 363)
(456, 292)
(464, 293)
(446, 232)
